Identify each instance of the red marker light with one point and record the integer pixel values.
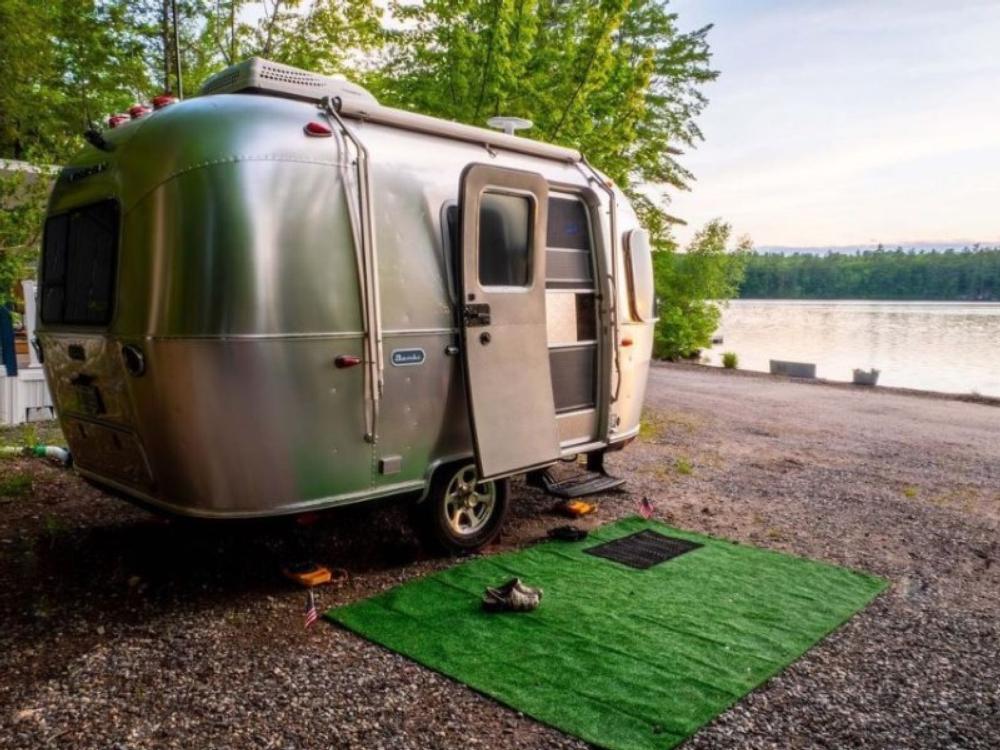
(627, 341)
(342, 361)
(163, 100)
(115, 120)
(136, 111)
(318, 130)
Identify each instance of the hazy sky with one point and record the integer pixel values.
(839, 122)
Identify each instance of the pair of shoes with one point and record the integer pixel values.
(513, 596)
(567, 533)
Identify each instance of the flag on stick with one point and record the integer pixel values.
(646, 508)
(311, 613)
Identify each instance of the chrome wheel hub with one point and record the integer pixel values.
(468, 503)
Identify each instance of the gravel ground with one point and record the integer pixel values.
(121, 630)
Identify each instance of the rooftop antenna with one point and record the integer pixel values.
(177, 50)
(509, 124)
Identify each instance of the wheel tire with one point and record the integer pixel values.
(459, 514)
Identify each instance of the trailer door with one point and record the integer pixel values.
(508, 382)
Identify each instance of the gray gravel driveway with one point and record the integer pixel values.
(120, 630)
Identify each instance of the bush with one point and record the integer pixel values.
(692, 288)
(730, 361)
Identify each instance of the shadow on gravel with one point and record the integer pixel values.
(143, 568)
(77, 564)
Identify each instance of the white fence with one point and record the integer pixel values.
(25, 397)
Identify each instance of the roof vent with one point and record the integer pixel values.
(509, 124)
(258, 76)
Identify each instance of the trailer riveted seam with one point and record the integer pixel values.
(227, 160)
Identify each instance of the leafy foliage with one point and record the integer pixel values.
(614, 78)
(22, 210)
(326, 36)
(969, 274)
(694, 285)
(65, 64)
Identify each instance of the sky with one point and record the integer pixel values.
(848, 122)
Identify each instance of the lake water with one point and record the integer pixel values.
(939, 346)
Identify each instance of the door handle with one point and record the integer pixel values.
(476, 315)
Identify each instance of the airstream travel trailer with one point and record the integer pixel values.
(280, 296)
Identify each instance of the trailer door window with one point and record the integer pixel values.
(78, 265)
(504, 240)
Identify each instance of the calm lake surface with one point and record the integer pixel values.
(938, 346)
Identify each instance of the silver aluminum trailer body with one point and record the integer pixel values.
(212, 275)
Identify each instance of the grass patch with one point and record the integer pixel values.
(910, 492)
(964, 498)
(651, 425)
(775, 534)
(17, 484)
(683, 466)
(654, 425)
(33, 433)
(625, 659)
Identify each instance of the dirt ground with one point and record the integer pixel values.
(121, 630)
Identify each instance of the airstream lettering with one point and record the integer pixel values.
(281, 296)
(405, 357)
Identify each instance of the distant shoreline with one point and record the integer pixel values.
(970, 398)
(879, 300)
(967, 274)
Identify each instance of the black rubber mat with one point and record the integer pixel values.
(589, 483)
(642, 550)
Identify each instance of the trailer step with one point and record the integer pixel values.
(589, 483)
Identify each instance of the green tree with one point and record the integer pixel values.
(614, 78)
(693, 287)
(326, 36)
(968, 274)
(23, 194)
(66, 64)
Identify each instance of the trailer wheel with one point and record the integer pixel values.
(460, 513)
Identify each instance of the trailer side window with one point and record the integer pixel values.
(568, 261)
(78, 265)
(504, 239)
(568, 226)
(450, 244)
(639, 270)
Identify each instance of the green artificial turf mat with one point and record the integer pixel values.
(620, 657)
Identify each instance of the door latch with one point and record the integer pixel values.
(476, 315)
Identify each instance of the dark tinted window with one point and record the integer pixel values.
(504, 240)
(568, 225)
(78, 265)
(451, 216)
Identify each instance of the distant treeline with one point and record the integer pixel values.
(968, 274)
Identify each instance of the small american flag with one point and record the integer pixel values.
(646, 508)
(311, 613)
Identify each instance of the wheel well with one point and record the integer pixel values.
(442, 464)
